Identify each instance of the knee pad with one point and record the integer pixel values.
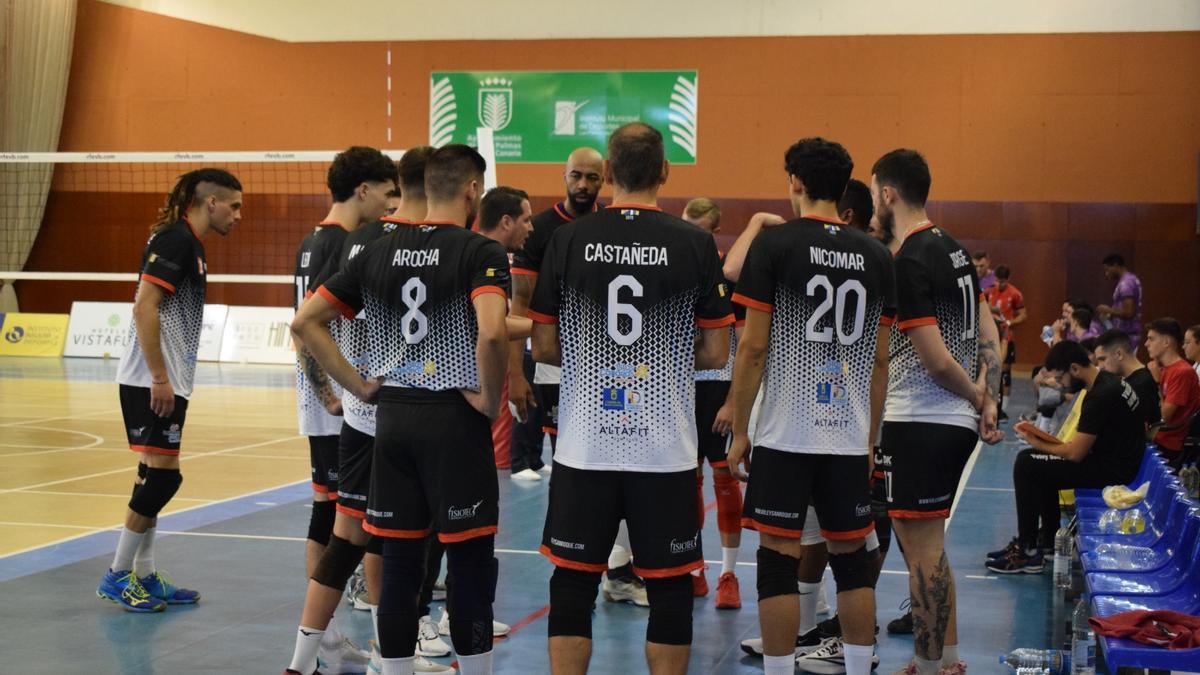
(403, 572)
(337, 563)
(883, 531)
(670, 620)
(853, 570)
(153, 495)
(320, 522)
(729, 502)
(375, 545)
(474, 568)
(776, 574)
(572, 594)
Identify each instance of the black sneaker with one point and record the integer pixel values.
(830, 627)
(1011, 547)
(1018, 562)
(804, 643)
(904, 624)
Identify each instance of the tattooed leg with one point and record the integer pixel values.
(931, 586)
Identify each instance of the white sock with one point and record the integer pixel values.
(949, 655)
(476, 664)
(402, 666)
(144, 561)
(127, 548)
(779, 665)
(728, 559)
(808, 606)
(927, 667)
(375, 621)
(331, 642)
(1044, 423)
(858, 658)
(308, 642)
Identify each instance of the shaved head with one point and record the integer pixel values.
(583, 177)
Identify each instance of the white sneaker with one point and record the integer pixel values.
(356, 584)
(626, 590)
(346, 657)
(545, 470)
(822, 599)
(804, 643)
(527, 474)
(439, 590)
(498, 629)
(428, 641)
(828, 659)
(420, 664)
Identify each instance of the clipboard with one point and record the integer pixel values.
(1029, 429)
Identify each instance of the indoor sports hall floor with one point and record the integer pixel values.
(235, 533)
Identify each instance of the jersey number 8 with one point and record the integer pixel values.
(836, 300)
(413, 293)
(617, 309)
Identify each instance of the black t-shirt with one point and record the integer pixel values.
(828, 288)
(317, 258)
(1147, 392)
(415, 287)
(627, 287)
(936, 285)
(1111, 413)
(528, 260)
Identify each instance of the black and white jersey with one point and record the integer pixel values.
(174, 261)
(316, 260)
(725, 373)
(828, 288)
(353, 340)
(627, 286)
(936, 286)
(415, 288)
(528, 261)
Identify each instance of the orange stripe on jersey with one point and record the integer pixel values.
(919, 321)
(396, 534)
(455, 537)
(353, 513)
(843, 536)
(887, 320)
(538, 317)
(553, 431)
(752, 524)
(337, 304)
(571, 564)
(308, 294)
(522, 272)
(715, 323)
(751, 303)
(918, 515)
(159, 282)
(652, 573)
(645, 207)
(153, 450)
(488, 289)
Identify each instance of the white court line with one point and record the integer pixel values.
(985, 577)
(118, 526)
(69, 527)
(183, 458)
(48, 449)
(110, 411)
(962, 482)
(229, 535)
(104, 494)
(990, 489)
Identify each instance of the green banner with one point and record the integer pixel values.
(541, 116)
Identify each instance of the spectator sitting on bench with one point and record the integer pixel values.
(1179, 386)
(1114, 353)
(1106, 450)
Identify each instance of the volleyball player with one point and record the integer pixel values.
(937, 408)
(438, 292)
(617, 300)
(157, 371)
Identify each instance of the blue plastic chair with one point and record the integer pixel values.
(1163, 516)
(1160, 481)
(1156, 582)
(1113, 555)
(1151, 460)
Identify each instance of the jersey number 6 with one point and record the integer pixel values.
(617, 309)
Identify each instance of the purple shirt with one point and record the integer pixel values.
(1129, 287)
(987, 281)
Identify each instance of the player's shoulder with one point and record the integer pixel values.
(549, 218)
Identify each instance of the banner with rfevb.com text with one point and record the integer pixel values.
(541, 116)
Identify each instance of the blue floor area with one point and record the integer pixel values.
(253, 584)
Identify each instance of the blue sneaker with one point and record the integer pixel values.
(124, 589)
(158, 586)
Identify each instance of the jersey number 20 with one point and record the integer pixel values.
(837, 301)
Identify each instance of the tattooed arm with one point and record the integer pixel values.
(321, 383)
(989, 367)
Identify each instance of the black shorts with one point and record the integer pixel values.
(354, 471)
(323, 457)
(878, 486)
(146, 431)
(922, 464)
(1010, 357)
(433, 467)
(710, 396)
(783, 485)
(548, 393)
(586, 507)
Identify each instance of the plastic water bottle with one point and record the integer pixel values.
(1083, 642)
(1047, 334)
(1110, 522)
(1134, 522)
(1062, 558)
(1053, 661)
